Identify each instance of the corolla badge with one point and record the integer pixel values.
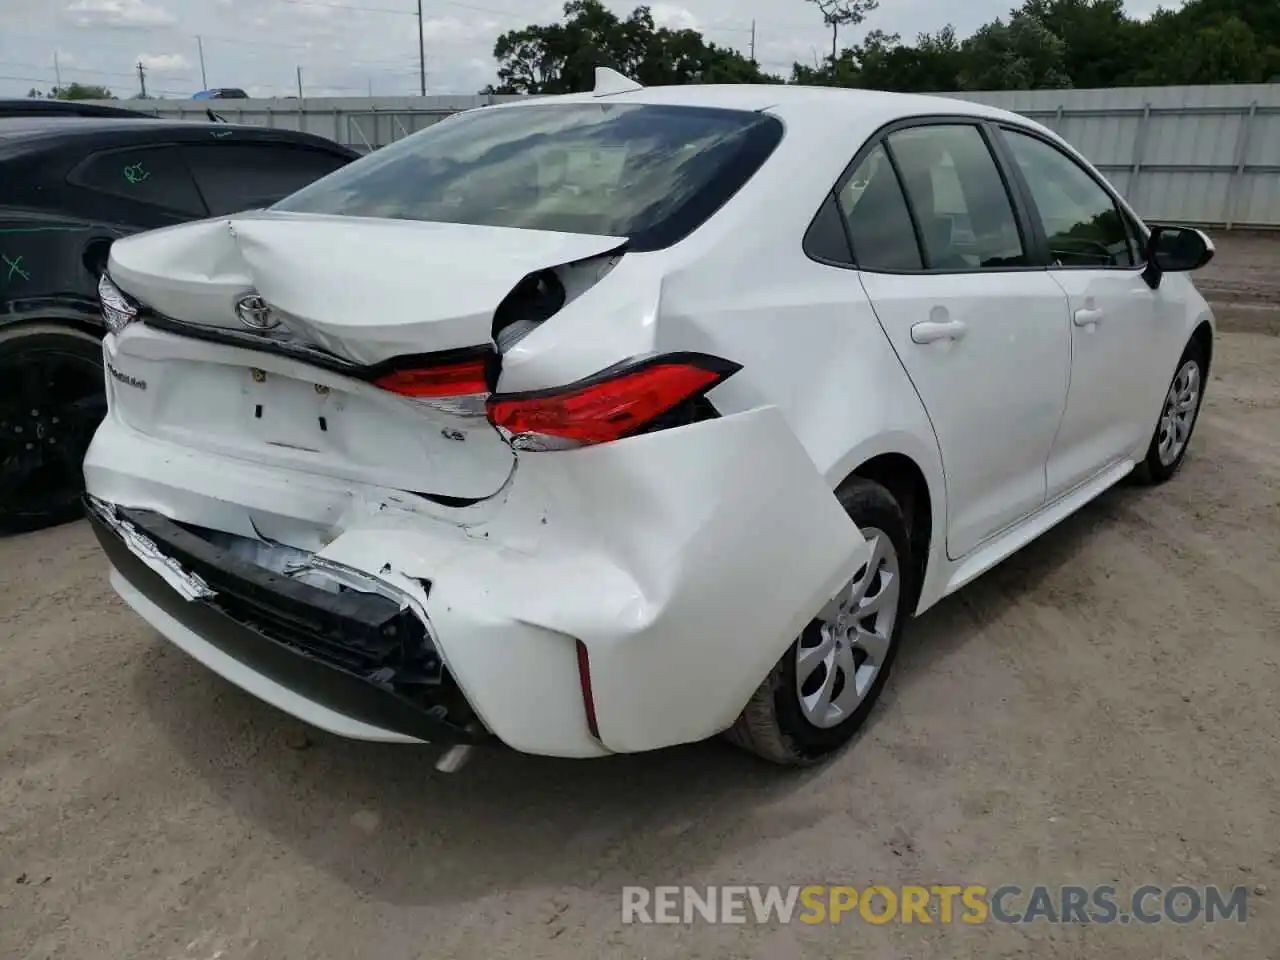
(255, 314)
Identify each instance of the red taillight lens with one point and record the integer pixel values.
(453, 379)
(610, 405)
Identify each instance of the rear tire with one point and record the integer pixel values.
(1178, 416)
(52, 402)
(786, 721)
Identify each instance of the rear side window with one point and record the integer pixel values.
(243, 176)
(879, 222)
(153, 175)
(962, 207)
(651, 173)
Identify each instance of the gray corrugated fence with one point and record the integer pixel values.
(1207, 155)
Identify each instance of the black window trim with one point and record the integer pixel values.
(1135, 229)
(1036, 253)
(186, 145)
(73, 176)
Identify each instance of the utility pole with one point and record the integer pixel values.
(204, 81)
(142, 79)
(299, 83)
(370, 80)
(57, 69)
(422, 55)
(753, 40)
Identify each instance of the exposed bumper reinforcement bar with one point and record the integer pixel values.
(360, 655)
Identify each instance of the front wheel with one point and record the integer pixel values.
(1178, 418)
(51, 402)
(823, 689)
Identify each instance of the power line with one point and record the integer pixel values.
(445, 3)
(73, 68)
(345, 6)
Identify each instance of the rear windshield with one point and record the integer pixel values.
(649, 173)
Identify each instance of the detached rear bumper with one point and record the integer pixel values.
(356, 664)
(665, 573)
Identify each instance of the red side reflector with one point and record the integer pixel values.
(444, 380)
(610, 405)
(584, 678)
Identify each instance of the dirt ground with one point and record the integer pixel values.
(1243, 281)
(1104, 708)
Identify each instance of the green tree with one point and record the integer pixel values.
(932, 65)
(883, 62)
(562, 57)
(76, 91)
(1103, 47)
(1022, 54)
(1228, 51)
(843, 13)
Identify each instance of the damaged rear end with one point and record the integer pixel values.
(312, 479)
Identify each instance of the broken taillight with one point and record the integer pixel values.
(458, 386)
(118, 311)
(615, 403)
(440, 380)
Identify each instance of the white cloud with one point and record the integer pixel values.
(119, 13)
(450, 30)
(164, 62)
(673, 17)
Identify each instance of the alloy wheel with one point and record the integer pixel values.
(844, 648)
(47, 418)
(1179, 412)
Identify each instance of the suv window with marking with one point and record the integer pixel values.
(879, 222)
(152, 175)
(244, 176)
(1081, 221)
(959, 199)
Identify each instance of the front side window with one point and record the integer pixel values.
(962, 207)
(1083, 225)
(647, 172)
(879, 222)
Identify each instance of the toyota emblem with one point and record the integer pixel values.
(255, 314)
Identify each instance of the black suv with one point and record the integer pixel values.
(69, 186)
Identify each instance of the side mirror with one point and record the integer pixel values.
(1175, 250)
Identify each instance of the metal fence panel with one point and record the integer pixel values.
(1199, 154)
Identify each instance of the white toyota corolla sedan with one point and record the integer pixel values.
(599, 423)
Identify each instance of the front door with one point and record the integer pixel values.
(1117, 321)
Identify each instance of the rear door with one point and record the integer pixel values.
(235, 176)
(1120, 328)
(980, 327)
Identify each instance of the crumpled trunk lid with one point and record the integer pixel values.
(370, 295)
(367, 290)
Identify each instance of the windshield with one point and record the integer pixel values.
(645, 172)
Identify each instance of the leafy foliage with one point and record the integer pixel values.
(1042, 43)
(73, 91)
(562, 57)
(1071, 43)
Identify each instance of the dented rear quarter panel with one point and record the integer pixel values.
(686, 561)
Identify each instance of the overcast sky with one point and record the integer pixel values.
(352, 47)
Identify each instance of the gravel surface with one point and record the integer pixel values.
(1102, 708)
(1243, 281)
